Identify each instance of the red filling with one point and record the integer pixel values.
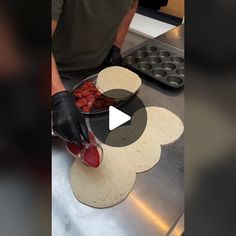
(88, 98)
(91, 156)
(75, 149)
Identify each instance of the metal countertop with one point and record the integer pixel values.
(156, 202)
(174, 37)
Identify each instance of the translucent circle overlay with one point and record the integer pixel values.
(127, 133)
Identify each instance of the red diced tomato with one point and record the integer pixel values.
(88, 83)
(89, 97)
(97, 94)
(78, 95)
(81, 102)
(85, 93)
(98, 104)
(86, 108)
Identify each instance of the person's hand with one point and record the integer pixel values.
(113, 58)
(68, 122)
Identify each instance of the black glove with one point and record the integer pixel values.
(113, 58)
(68, 122)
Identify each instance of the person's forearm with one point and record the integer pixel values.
(57, 85)
(124, 25)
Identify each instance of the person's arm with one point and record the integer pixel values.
(68, 122)
(57, 85)
(114, 57)
(124, 25)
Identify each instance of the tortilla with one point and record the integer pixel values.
(162, 127)
(104, 186)
(162, 124)
(116, 77)
(143, 154)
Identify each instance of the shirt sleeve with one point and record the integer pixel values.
(56, 9)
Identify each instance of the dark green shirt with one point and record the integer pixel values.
(85, 32)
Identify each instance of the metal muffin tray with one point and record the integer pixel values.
(158, 64)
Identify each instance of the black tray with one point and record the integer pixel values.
(158, 64)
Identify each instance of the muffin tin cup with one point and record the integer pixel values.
(180, 71)
(158, 64)
(144, 66)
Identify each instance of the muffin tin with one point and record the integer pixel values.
(158, 64)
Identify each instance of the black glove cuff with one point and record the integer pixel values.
(115, 48)
(62, 97)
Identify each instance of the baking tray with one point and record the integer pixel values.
(93, 78)
(157, 63)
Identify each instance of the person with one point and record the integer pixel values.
(86, 34)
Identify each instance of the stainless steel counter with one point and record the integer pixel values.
(174, 37)
(156, 202)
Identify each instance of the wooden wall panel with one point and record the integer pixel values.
(174, 7)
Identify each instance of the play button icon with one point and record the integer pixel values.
(117, 118)
(121, 124)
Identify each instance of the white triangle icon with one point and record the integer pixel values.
(117, 118)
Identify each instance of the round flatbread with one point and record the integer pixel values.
(143, 154)
(116, 77)
(104, 186)
(163, 124)
(162, 127)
